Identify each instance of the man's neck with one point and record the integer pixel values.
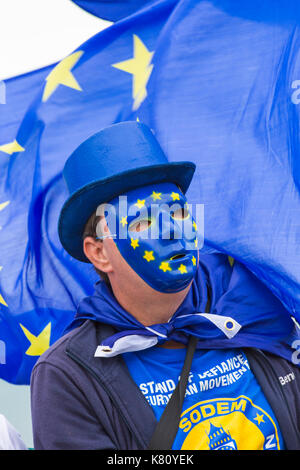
(148, 306)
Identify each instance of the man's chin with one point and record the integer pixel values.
(174, 287)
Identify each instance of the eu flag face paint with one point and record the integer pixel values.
(156, 234)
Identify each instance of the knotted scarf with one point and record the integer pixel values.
(244, 313)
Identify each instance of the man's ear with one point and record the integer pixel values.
(95, 251)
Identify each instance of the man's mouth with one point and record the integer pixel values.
(178, 256)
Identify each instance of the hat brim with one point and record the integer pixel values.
(81, 204)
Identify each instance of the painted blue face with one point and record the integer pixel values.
(156, 234)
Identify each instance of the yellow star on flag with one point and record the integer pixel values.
(164, 266)
(195, 225)
(2, 301)
(38, 344)
(140, 203)
(139, 66)
(124, 221)
(194, 261)
(134, 243)
(231, 260)
(196, 242)
(62, 75)
(175, 196)
(11, 148)
(149, 255)
(3, 205)
(182, 269)
(156, 196)
(259, 418)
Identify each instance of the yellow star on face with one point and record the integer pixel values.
(11, 148)
(259, 418)
(139, 66)
(164, 266)
(194, 261)
(134, 243)
(124, 221)
(140, 203)
(62, 75)
(149, 256)
(175, 196)
(182, 269)
(156, 196)
(38, 344)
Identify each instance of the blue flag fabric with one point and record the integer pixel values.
(18, 93)
(237, 115)
(218, 83)
(112, 10)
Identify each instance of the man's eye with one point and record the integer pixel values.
(180, 214)
(139, 225)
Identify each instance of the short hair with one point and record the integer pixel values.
(90, 231)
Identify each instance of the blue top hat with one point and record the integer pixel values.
(113, 161)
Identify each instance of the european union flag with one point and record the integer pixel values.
(112, 10)
(219, 83)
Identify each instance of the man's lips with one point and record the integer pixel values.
(179, 256)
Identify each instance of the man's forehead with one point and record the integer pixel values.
(154, 193)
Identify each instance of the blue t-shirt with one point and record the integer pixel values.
(224, 406)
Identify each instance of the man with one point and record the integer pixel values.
(106, 383)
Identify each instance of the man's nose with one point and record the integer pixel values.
(170, 230)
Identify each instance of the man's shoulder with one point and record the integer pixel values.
(82, 338)
(57, 351)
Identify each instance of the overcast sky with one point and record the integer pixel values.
(36, 33)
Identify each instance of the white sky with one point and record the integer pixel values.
(36, 33)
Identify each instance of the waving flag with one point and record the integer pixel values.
(40, 284)
(219, 83)
(17, 95)
(236, 115)
(112, 10)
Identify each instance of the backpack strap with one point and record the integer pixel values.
(167, 427)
